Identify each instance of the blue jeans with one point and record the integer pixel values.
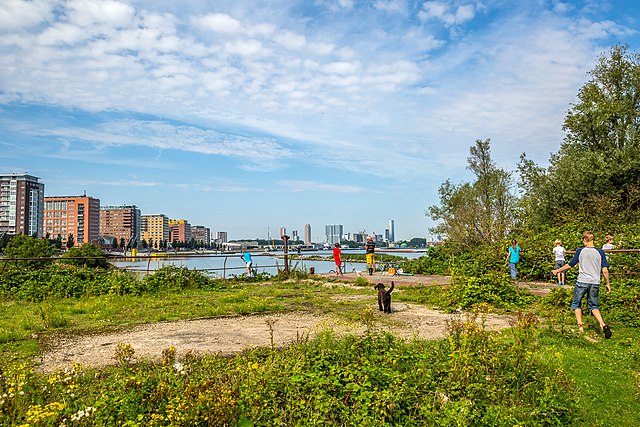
(579, 291)
(512, 270)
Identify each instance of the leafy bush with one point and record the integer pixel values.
(22, 246)
(495, 289)
(95, 255)
(74, 282)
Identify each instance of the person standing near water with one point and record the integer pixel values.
(247, 259)
(370, 249)
(337, 258)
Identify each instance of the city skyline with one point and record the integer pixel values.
(246, 116)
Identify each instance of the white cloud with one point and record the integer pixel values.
(290, 40)
(109, 13)
(392, 6)
(20, 14)
(219, 22)
(446, 12)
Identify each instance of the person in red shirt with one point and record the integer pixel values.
(337, 258)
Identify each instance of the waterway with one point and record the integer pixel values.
(228, 265)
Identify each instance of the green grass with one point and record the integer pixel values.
(604, 375)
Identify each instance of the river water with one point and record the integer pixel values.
(228, 265)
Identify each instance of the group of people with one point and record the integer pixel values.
(592, 263)
(369, 248)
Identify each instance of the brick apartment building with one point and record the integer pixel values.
(179, 230)
(201, 234)
(72, 215)
(120, 222)
(21, 205)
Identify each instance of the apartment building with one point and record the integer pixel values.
(78, 216)
(154, 229)
(333, 233)
(222, 237)
(21, 205)
(201, 234)
(179, 230)
(120, 222)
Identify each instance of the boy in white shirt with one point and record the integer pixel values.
(559, 256)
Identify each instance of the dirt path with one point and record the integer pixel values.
(231, 335)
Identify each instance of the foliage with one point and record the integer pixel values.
(494, 289)
(22, 246)
(57, 282)
(94, 256)
(597, 170)
(479, 212)
(472, 378)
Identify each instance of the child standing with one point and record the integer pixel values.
(336, 257)
(559, 256)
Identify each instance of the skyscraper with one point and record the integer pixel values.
(333, 233)
(21, 205)
(307, 234)
(392, 232)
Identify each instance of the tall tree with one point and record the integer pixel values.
(478, 212)
(597, 168)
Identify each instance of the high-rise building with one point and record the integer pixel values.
(294, 236)
(307, 234)
(76, 216)
(21, 205)
(179, 230)
(120, 222)
(392, 231)
(283, 231)
(221, 237)
(333, 233)
(154, 229)
(201, 234)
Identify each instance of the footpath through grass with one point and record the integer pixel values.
(539, 373)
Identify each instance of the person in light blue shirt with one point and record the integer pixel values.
(247, 258)
(513, 257)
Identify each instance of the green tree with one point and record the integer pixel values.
(22, 246)
(596, 172)
(144, 243)
(58, 242)
(114, 243)
(478, 212)
(89, 255)
(123, 243)
(70, 241)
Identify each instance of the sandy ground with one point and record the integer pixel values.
(231, 335)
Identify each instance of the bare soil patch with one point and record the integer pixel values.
(231, 335)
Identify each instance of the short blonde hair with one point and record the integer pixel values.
(558, 242)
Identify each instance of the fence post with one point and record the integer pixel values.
(285, 238)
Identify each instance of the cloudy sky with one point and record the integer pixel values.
(246, 116)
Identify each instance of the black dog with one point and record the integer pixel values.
(384, 297)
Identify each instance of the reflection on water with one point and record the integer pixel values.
(232, 264)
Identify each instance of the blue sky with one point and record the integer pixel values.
(245, 116)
